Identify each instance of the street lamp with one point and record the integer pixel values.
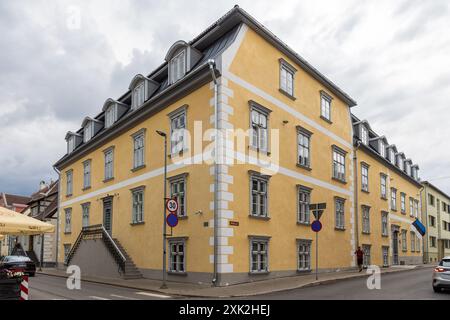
(164, 135)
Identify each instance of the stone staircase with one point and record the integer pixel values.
(131, 271)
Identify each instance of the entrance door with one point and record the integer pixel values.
(395, 247)
(107, 215)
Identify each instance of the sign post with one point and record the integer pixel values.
(316, 226)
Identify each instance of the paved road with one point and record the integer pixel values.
(414, 284)
(44, 287)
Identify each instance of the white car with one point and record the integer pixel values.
(441, 275)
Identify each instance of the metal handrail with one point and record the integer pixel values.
(114, 243)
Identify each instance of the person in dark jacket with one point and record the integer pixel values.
(359, 258)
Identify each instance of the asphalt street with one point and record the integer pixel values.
(408, 285)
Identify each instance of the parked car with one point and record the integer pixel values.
(441, 275)
(19, 263)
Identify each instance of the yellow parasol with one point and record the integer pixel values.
(15, 223)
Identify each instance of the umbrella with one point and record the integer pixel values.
(15, 223)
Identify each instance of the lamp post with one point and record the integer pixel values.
(164, 135)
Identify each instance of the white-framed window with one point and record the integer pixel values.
(411, 207)
(418, 244)
(339, 164)
(304, 196)
(138, 97)
(383, 186)
(69, 182)
(259, 128)
(259, 258)
(178, 192)
(87, 174)
(88, 131)
(178, 66)
(85, 212)
(287, 78)
(364, 135)
(365, 210)
(412, 236)
(393, 199)
(304, 255)
(139, 150)
(403, 202)
(404, 241)
(110, 115)
(401, 163)
(384, 224)
(177, 256)
(385, 253)
(138, 205)
(382, 149)
(408, 169)
(339, 212)
(67, 248)
(178, 141)
(366, 257)
(325, 106)
(70, 144)
(304, 147)
(392, 156)
(364, 177)
(109, 164)
(68, 220)
(258, 195)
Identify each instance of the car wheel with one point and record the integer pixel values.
(436, 289)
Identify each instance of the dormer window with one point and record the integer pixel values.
(392, 156)
(73, 140)
(408, 169)
(88, 132)
(110, 115)
(138, 98)
(382, 149)
(70, 144)
(364, 135)
(400, 163)
(178, 66)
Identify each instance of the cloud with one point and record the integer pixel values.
(392, 57)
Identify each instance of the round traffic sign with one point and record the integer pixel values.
(172, 220)
(316, 226)
(172, 205)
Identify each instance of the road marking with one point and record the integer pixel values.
(153, 295)
(98, 298)
(122, 297)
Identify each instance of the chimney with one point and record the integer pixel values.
(42, 185)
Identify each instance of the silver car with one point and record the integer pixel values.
(441, 275)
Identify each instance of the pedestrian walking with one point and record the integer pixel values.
(360, 258)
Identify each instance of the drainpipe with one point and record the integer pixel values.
(355, 184)
(425, 238)
(212, 68)
(57, 216)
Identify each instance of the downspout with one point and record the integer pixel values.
(355, 186)
(212, 68)
(57, 216)
(425, 253)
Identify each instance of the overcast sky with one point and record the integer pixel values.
(55, 69)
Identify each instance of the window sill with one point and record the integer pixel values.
(304, 167)
(108, 180)
(404, 213)
(395, 210)
(86, 188)
(138, 168)
(259, 151)
(137, 223)
(365, 233)
(182, 217)
(175, 273)
(177, 154)
(383, 198)
(307, 224)
(304, 271)
(365, 191)
(326, 120)
(385, 235)
(287, 94)
(339, 180)
(67, 232)
(259, 217)
(69, 195)
(339, 229)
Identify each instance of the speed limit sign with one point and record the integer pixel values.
(172, 205)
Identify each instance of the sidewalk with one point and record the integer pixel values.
(238, 290)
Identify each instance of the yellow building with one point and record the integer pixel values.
(285, 140)
(436, 217)
(388, 193)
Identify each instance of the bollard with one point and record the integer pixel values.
(24, 288)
